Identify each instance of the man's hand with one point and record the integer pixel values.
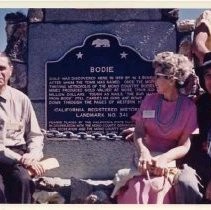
(128, 134)
(30, 163)
(27, 159)
(36, 169)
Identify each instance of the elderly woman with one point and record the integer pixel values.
(163, 126)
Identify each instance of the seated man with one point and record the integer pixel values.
(21, 141)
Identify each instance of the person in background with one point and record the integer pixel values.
(200, 156)
(202, 36)
(162, 138)
(21, 141)
(201, 45)
(201, 50)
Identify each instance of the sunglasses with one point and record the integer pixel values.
(162, 76)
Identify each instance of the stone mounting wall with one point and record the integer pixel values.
(51, 32)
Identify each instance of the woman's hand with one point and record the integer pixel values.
(144, 161)
(159, 163)
(128, 134)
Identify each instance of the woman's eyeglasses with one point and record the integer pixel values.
(163, 76)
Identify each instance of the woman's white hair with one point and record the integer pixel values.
(172, 64)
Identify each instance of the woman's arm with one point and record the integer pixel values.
(161, 161)
(143, 152)
(180, 151)
(199, 42)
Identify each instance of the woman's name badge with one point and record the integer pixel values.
(149, 114)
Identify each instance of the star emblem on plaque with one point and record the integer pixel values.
(79, 55)
(96, 87)
(123, 55)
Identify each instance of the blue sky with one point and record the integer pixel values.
(183, 14)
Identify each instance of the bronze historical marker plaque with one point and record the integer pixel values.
(96, 87)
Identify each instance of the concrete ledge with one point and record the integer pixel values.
(88, 159)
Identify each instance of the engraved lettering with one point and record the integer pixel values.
(102, 69)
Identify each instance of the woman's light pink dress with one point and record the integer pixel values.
(164, 123)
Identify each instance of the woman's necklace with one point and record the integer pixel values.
(174, 116)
